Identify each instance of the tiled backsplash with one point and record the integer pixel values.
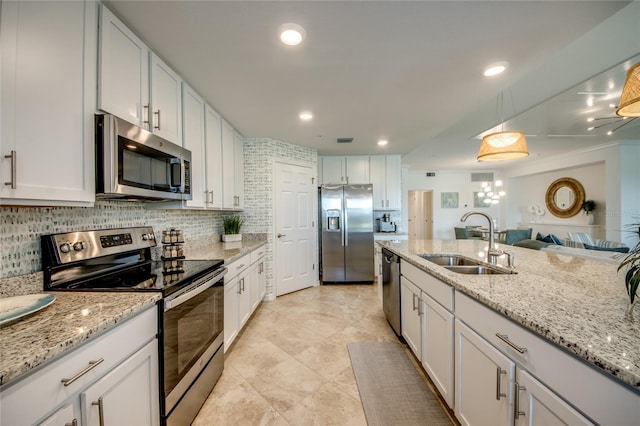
(21, 227)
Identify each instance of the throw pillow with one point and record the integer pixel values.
(551, 239)
(556, 240)
(616, 249)
(581, 237)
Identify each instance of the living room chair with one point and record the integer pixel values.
(465, 234)
(514, 235)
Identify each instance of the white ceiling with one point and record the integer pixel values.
(410, 71)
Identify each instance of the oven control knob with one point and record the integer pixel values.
(80, 245)
(65, 248)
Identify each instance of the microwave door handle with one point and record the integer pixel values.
(175, 177)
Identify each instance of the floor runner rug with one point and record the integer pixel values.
(392, 391)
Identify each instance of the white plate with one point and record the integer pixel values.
(12, 308)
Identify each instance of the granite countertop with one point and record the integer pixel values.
(70, 320)
(213, 248)
(579, 304)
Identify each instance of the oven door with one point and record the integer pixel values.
(193, 330)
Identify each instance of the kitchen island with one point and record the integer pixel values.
(579, 305)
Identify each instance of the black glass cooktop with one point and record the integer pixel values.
(144, 276)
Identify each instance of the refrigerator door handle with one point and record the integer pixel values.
(345, 226)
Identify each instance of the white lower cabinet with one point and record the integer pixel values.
(118, 370)
(536, 405)
(244, 289)
(484, 380)
(410, 315)
(127, 395)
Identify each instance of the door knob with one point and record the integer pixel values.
(281, 235)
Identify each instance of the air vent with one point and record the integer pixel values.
(431, 174)
(481, 177)
(345, 140)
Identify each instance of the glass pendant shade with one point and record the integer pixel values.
(629, 105)
(500, 146)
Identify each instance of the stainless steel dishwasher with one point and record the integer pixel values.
(391, 289)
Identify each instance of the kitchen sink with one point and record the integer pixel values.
(450, 260)
(464, 265)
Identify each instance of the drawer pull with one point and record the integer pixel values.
(505, 339)
(74, 422)
(499, 373)
(91, 366)
(100, 405)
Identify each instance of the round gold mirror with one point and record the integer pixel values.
(565, 197)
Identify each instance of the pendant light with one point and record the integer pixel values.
(503, 145)
(630, 97)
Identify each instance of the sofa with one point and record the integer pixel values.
(578, 244)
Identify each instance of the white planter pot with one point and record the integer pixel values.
(231, 237)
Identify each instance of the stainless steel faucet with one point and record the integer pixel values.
(492, 253)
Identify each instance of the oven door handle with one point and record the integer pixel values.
(190, 294)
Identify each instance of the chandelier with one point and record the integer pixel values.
(630, 97)
(491, 194)
(503, 145)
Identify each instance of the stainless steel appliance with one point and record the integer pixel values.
(347, 233)
(133, 163)
(191, 320)
(391, 289)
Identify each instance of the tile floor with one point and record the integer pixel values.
(290, 365)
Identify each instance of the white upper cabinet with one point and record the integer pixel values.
(123, 88)
(194, 141)
(352, 169)
(385, 172)
(48, 100)
(166, 101)
(228, 169)
(213, 140)
(238, 159)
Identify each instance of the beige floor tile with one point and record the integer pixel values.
(286, 384)
(294, 339)
(330, 405)
(250, 358)
(347, 382)
(327, 358)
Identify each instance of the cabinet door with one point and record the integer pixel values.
(262, 282)
(67, 415)
(228, 166)
(213, 139)
(244, 298)
(231, 324)
(193, 140)
(48, 80)
(123, 87)
(393, 182)
(238, 159)
(333, 170)
(254, 283)
(166, 101)
(537, 405)
(437, 346)
(357, 167)
(484, 380)
(410, 315)
(128, 395)
(377, 172)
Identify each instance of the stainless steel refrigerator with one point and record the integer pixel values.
(347, 233)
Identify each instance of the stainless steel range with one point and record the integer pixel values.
(191, 320)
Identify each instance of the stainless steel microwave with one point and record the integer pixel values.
(133, 163)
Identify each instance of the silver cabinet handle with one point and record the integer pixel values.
(387, 203)
(281, 235)
(211, 192)
(100, 405)
(413, 301)
(242, 281)
(13, 157)
(74, 422)
(505, 339)
(381, 203)
(516, 404)
(146, 114)
(158, 114)
(91, 366)
(499, 373)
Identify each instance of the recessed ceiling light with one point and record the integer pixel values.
(496, 69)
(383, 142)
(291, 34)
(305, 115)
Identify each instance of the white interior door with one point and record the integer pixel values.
(294, 220)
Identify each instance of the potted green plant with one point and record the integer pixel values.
(588, 206)
(232, 225)
(632, 263)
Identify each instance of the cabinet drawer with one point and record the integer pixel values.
(257, 254)
(574, 380)
(34, 396)
(439, 291)
(237, 266)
